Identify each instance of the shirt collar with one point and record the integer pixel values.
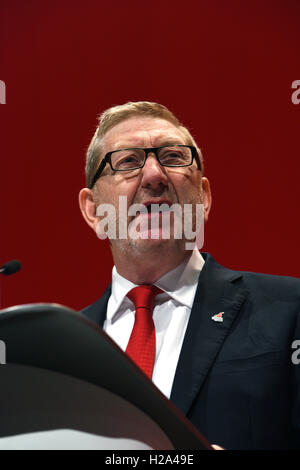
(180, 284)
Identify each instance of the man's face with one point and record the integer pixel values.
(153, 183)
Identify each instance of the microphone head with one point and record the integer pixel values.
(11, 267)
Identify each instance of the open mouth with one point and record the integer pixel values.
(157, 206)
(150, 218)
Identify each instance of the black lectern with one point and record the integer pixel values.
(65, 385)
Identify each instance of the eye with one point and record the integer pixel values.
(126, 159)
(175, 156)
(172, 156)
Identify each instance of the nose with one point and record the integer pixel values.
(153, 174)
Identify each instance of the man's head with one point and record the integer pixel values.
(143, 125)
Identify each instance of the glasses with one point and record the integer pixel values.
(173, 156)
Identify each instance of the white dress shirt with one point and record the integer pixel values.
(171, 314)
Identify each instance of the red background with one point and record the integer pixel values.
(225, 68)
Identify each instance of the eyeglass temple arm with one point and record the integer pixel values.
(99, 171)
(196, 157)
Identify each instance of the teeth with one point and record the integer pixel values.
(158, 208)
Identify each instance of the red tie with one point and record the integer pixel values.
(141, 345)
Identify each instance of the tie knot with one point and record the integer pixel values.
(143, 296)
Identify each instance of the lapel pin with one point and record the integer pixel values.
(218, 317)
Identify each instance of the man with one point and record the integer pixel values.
(222, 339)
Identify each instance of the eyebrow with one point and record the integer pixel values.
(172, 141)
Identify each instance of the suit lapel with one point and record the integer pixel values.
(219, 290)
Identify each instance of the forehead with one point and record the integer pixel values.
(140, 131)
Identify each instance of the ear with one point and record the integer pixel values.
(207, 198)
(88, 207)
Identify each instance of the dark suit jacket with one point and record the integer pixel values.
(235, 380)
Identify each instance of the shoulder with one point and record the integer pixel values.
(258, 284)
(285, 287)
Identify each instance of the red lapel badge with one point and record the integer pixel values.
(218, 317)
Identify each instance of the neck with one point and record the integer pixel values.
(147, 266)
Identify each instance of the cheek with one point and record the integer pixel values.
(106, 191)
(188, 188)
(116, 193)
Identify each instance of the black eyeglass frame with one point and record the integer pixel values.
(107, 159)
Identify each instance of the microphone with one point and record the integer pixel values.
(11, 267)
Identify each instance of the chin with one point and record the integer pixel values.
(156, 244)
